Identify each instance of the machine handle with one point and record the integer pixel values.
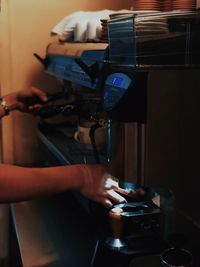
(92, 71)
(51, 111)
(44, 61)
(92, 138)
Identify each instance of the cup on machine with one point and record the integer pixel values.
(82, 135)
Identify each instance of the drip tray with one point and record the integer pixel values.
(145, 242)
(146, 261)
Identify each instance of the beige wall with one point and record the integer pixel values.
(25, 29)
(5, 77)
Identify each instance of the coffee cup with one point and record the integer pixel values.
(82, 135)
(176, 257)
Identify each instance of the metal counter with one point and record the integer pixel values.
(54, 231)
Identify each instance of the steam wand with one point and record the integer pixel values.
(92, 71)
(92, 137)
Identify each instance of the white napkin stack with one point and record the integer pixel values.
(81, 25)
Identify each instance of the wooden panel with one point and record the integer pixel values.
(117, 158)
(173, 132)
(130, 154)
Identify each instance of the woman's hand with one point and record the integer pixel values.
(25, 100)
(100, 186)
(30, 99)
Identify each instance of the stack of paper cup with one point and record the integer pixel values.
(166, 5)
(184, 4)
(151, 5)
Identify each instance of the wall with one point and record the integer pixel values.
(25, 29)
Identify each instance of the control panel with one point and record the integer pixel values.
(115, 87)
(85, 70)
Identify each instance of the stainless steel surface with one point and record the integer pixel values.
(137, 209)
(110, 140)
(54, 232)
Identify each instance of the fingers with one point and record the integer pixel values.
(104, 201)
(111, 182)
(107, 194)
(113, 195)
(110, 190)
(39, 93)
(29, 100)
(105, 190)
(36, 96)
(125, 192)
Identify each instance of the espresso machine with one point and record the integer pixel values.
(108, 82)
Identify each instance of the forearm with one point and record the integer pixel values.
(2, 112)
(19, 184)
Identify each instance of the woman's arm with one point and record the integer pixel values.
(20, 184)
